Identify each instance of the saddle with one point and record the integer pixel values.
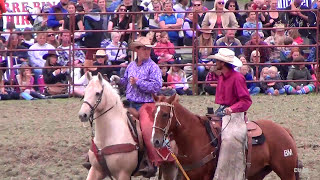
(255, 135)
(144, 167)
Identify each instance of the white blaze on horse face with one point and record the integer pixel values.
(154, 123)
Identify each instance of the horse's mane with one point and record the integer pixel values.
(188, 113)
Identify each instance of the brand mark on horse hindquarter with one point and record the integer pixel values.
(287, 152)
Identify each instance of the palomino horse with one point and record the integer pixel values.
(278, 153)
(112, 135)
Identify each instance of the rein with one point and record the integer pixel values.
(172, 112)
(93, 109)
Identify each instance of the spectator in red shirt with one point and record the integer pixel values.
(167, 52)
(232, 93)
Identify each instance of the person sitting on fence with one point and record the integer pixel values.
(166, 49)
(252, 86)
(177, 76)
(166, 89)
(25, 80)
(299, 72)
(272, 88)
(63, 56)
(213, 75)
(54, 75)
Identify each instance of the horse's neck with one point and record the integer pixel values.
(111, 128)
(191, 136)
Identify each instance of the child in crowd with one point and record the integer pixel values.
(213, 74)
(166, 89)
(244, 61)
(178, 77)
(299, 72)
(252, 87)
(295, 35)
(272, 88)
(251, 23)
(166, 49)
(26, 80)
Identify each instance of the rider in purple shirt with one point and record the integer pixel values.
(142, 76)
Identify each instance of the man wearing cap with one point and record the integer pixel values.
(142, 76)
(234, 99)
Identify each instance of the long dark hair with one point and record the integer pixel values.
(230, 1)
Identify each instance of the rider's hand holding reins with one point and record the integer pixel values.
(228, 111)
(115, 78)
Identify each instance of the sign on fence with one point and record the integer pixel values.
(22, 7)
(286, 3)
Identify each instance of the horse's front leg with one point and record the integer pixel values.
(169, 171)
(94, 174)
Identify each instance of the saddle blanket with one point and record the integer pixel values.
(146, 117)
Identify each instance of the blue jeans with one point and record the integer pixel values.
(37, 73)
(271, 90)
(135, 105)
(201, 73)
(254, 91)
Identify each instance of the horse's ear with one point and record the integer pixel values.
(155, 97)
(174, 98)
(100, 77)
(88, 75)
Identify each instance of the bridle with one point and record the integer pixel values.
(93, 109)
(172, 112)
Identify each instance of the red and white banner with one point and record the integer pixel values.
(22, 7)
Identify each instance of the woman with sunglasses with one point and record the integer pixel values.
(219, 18)
(232, 5)
(120, 22)
(51, 38)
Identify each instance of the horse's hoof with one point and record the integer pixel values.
(87, 165)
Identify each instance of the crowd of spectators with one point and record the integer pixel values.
(184, 23)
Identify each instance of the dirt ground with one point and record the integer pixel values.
(45, 140)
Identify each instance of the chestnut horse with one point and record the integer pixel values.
(278, 153)
(103, 102)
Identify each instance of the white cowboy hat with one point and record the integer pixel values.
(141, 41)
(226, 55)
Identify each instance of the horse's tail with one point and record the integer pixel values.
(299, 165)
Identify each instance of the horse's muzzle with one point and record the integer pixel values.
(84, 117)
